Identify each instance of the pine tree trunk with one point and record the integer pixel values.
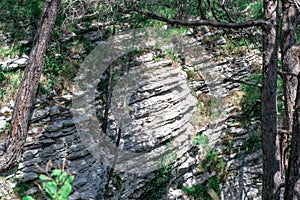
(12, 150)
(290, 65)
(288, 40)
(270, 143)
(292, 185)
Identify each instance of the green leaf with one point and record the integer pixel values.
(70, 180)
(27, 197)
(56, 172)
(51, 189)
(62, 178)
(65, 191)
(44, 177)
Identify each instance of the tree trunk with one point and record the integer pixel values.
(13, 147)
(290, 65)
(292, 186)
(292, 68)
(288, 40)
(270, 143)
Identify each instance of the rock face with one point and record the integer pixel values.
(150, 110)
(154, 132)
(59, 142)
(225, 133)
(15, 63)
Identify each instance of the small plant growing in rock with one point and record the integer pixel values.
(202, 140)
(211, 161)
(250, 102)
(56, 185)
(156, 188)
(210, 190)
(251, 144)
(2, 77)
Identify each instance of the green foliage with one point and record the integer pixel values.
(28, 198)
(2, 76)
(53, 66)
(213, 162)
(11, 52)
(257, 9)
(20, 19)
(242, 10)
(60, 67)
(204, 191)
(190, 73)
(254, 8)
(234, 47)
(2, 93)
(298, 34)
(251, 144)
(250, 102)
(156, 188)
(216, 107)
(19, 15)
(229, 148)
(22, 187)
(204, 107)
(57, 185)
(280, 99)
(172, 54)
(202, 140)
(10, 84)
(7, 125)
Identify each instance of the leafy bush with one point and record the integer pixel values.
(56, 186)
(213, 162)
(20, 19)
(53, 67)
(205, 191)
(257, 9)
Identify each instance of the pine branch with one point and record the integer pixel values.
(152, 15)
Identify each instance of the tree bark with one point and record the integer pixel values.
(270, 142)
(12, 150)
(292, 185)
(290, 65)
(288, 40)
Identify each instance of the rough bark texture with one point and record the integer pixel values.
(12, 150)
(292, 189)
(290, 65)
(289, 17)
(270, 144)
